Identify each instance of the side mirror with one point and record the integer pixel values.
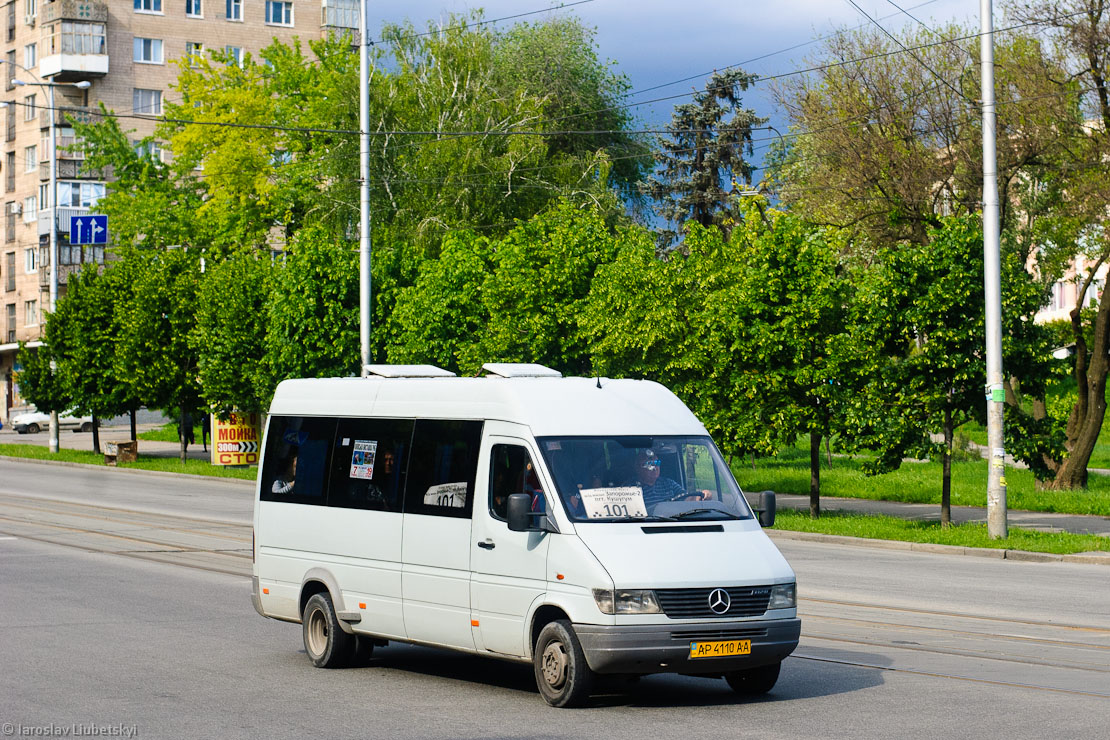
(767, 508)
(519, 512)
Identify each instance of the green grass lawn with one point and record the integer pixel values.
(964, 535)
(166, 433)
(917, 482)
(167, 464)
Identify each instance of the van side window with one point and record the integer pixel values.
(298, 456)
(512, 471)
(369, 464)
(443, 468)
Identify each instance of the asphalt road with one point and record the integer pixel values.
(124, 605)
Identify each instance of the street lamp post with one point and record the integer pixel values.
(83, 85)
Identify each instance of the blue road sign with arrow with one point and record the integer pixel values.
(88, 228)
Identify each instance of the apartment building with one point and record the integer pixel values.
(123, 50)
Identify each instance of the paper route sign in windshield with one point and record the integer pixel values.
(613, 502)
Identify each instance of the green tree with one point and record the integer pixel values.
(230, 334)
(312, 311)
(701, 159)
(154, 354)
(39, 384)
(919, 345)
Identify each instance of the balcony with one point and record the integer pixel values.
(65, 114)
(65, 213)
(74, 40)
(64, 271)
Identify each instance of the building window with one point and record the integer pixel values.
(79, 194)
(11, 320)
(9, 282)
(147, 101)
(193, 9)
(148, 51)
(340, 13)
(29, 264)
(149, 148)
(30, 214)
(31, 311)
(71, 37)
(30, 55)
(44, 195)
(235, 10)
(279, 13)
(236, 54)
(32, 8)
(29, 108)
(148, 6)
(30, 158)
(195, 51)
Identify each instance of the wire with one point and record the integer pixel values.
(895, 39)
(921, 23)
(464, 26)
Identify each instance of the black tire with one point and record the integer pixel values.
(754, 681)
(562, 674)
(33, 429)
(86, 427)
(327, 645)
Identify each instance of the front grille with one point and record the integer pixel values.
(707, 635)
(691, 603)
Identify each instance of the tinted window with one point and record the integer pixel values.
(512, 471)
(368, 467)
(443, 467)
(298, 456)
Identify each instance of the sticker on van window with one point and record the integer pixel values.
(452, 495)
(618, 501)
(362, 458)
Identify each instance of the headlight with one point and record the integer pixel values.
(783, 596)
(626, 602)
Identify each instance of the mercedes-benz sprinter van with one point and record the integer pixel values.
(585, 525)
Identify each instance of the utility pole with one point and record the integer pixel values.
(992, 284)
(364, 185)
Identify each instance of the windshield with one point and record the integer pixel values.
(648, 478)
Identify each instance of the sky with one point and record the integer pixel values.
(655, 42)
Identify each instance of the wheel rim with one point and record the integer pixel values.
(554, 665)
(317, 632)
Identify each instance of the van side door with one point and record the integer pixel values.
(509, 568)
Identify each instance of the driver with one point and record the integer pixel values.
(658, 488)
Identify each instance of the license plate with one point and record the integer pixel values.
(720, 648)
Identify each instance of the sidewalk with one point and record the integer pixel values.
(1043, 521)
(69, 440)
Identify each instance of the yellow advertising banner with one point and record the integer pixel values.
(236, 440)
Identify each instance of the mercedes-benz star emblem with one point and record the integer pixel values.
(719, 601)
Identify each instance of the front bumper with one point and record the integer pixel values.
(665, 648)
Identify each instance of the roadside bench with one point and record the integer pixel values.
(121, 451)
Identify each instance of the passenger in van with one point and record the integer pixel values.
(659, 488)
(285, 480)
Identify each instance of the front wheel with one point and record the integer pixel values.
(327, 645)
(754, 681)
(562, 674)
(86, 427)
(32, 428)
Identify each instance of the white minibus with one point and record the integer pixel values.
(588, 526)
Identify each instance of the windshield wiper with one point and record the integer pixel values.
(652, 518)
(691, 512)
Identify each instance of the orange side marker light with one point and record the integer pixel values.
(473, 622)
(560, 576)
(361, 605)
(265, 590)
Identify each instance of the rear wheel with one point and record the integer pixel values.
(33, 428)
(86, 427)
(327, 645)
(754, 681)
(562, 674)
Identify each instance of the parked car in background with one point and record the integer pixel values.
(32, 422)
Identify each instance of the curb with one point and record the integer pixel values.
(133, 471)
(979, 552)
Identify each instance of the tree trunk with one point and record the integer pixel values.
(134, 434)
(815, 475)
(96, 434)
(183, 437)
(946, 476)
(1085, 421)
